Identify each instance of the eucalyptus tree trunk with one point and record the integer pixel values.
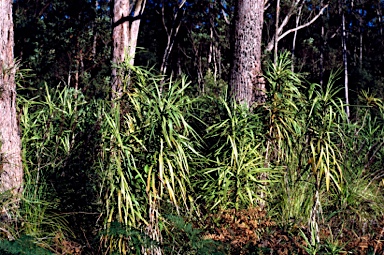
(171, 33)
(361, 49)
(322, 48)
(277, 31)
(11, 172)
(126, 23)
(345, 63)
(246, 81)
(95, 35)
(295, 5)
(294, 40)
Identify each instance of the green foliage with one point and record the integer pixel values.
(312, 247)
(332, 163)
(158, 150)
(233, 176)
(324, 125)
(305, 126)
(64, 41)
(363, 152)
(49, 128)
(329, 247)
(134, 239)
(304, 137)
(185, 239)
(213, 87)
(147, 151)
(284, 110)
(25, 245)
(52, 126)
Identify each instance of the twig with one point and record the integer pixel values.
(9, 235)
(377, 244)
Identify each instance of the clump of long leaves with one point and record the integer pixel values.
(284, 111)
(49, 126)
(304, 136)
(361, 199)
(232, 178)
(330, 161)
(147, 149)
(325, 134)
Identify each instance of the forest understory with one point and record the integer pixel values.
(191, 127)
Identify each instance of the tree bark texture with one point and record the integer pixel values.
(126, 23)
(11, 171)
(246, 81)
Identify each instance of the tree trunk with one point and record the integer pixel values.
(246, 75)
(361, 45)
(294, 40)
(277, 32)
(345, 62)
(171, 33)
(322, 49)
(95, 35)
(379, 17)
(126, 22)
(297, 4)
(11, 171)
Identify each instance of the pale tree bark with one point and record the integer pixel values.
(95, 35)
(361, 29)
(322, 48)
(11, 171)
(276, 41)
(294, 41)
(296, 5)
(360, 49)
(126, 23)
(213, 54)
(345, 62)
(172, 32)
(246, 81)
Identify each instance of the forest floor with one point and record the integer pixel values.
(252, 232)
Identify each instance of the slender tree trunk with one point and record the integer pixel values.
(210, 53)
(279, 32)
(218, 61)
(94, 43)
(276, 44)
(322, 49)
(126, 23)
(294, 39)
(77, 74)
(246, 81)
(171, 34)
(361, 48)
(345, 62)
(11, 171)
(379, 17)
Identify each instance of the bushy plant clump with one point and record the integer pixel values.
(108, 174)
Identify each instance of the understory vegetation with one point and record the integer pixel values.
(165, 169)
